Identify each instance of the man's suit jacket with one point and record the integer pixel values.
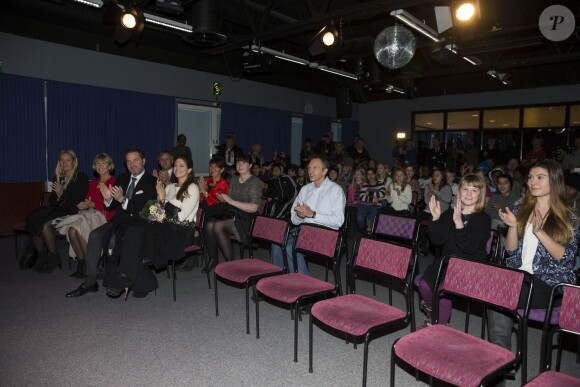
(143, 192)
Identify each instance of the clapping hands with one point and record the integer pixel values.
(508, 217)
(434, 208)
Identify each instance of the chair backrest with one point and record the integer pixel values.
(491, 284)
(322, 241)
(489, 242)
(394, 227)
(383, 257)
(44, 199)
(270, 229)
(199, 218)
(263, 206)
(570, 308)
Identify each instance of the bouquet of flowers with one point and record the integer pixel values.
(153, 212)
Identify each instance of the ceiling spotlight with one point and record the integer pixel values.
(466, 10)
(329, 36)
(129, 19)
(130, 27)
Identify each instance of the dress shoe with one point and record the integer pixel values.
(82, 290)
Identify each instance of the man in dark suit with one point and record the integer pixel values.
(129, 196)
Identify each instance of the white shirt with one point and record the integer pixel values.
(400, 202)
(188, 206)
(529, 247)
(327, 201)
(124, 204)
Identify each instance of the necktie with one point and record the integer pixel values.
(131, 188)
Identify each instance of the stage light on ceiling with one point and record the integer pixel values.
(465, 11)
(129, 19)
(130, 27)
(329, 36)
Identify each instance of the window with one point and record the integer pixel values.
(548, 117)
(501, 119)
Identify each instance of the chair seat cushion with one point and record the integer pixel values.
(191, 249)
(241, 270)
(355, 314)
(20, 227)
(451, 355)
(289, 287)
(553, 379)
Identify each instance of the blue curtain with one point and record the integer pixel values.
(22, 124)
(91, 120)
(348, 131)
(270, 127)
(314, 127)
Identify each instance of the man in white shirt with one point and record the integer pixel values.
(319, 202)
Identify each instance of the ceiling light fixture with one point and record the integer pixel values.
(469, 59)
(466, 10)
(280, 55)
(168, 23)
(338, 72)
(90, 3)
(329, 36)
(393, 89)
(416, 24)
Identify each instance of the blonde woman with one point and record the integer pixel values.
(69, 188)
(399, 193)
(92, 213)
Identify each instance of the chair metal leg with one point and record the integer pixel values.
(467, 318)
(310, 346)
(257, 316)
(559, 355)
(215, 292)
(247, 309)
(393, 357)
(296, 334)
(365, 360)
(174, 278)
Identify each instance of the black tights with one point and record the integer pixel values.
(217, 234)
(46, 240)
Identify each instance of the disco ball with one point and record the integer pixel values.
(394, 47)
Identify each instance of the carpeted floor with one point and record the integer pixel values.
(48, 340)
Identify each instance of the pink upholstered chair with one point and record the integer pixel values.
(454, 356)
(569, 322)
(297, 289)
(261, 211)
(246, 272)
(359, 316)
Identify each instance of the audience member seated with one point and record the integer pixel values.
(439, 189)
(181, 149)
(306, 152)
(492, 178)
(399, 193)
(359, 153)
(355, 186)
(338, 155)
(333, 173)
(92, 213)
(537, 152)
(234, 214)
(463, 231)
(450, 180)
(229, 150)
(346, 173)
(122, 236)
(370, 201)
(326, 146)
(383, 174)
(319, 202)
(164, 241)
(301, 179)
(280, 193)
(256, 156)
(542, 239)
(411, 179)
(69, 188)
(165, 173)
(500, 200)
(424, 176)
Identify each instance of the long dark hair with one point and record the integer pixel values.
(182, 193)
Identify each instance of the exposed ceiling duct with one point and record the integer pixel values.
(205, 25)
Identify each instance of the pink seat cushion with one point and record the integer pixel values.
(554, 379)
(355, 314)
(191, 249)
(241, 270)
(20, 226)
(451, 355)
(289, 287)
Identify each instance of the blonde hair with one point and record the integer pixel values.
(557, 224)
(363, 176)
(106, 158)
(59, 172)
(478, 181)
